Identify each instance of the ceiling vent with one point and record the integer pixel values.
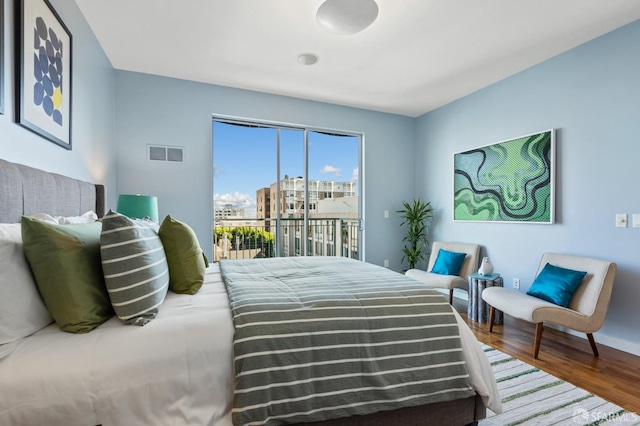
(168, 154)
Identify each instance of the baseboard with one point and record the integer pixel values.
(602, 339)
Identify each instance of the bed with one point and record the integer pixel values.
(179, 368)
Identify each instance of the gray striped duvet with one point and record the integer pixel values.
(318, 338)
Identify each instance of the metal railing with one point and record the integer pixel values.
(255, 238)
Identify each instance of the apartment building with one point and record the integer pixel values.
(291, 196)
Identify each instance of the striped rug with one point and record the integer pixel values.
(532, 397)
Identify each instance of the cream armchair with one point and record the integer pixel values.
(469, 266)
(587, 307)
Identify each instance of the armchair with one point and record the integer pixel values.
(586, 310)
(469, 266)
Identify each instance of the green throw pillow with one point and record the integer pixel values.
(135, 267)
(65, 260)
(187, 262)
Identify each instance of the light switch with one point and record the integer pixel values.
(386, 214)
(636, 220)
(621, 220)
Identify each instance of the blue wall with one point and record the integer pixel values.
(93, 154)
(591, 96)
(165, 111)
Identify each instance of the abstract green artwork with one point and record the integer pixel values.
(510, 181)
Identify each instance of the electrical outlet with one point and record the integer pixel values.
(621, 220)
(386, 263)
(516, 283)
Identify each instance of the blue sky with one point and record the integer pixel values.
(245, 160)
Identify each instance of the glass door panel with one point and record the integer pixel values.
(285, 191)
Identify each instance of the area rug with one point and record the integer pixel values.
(532, 397)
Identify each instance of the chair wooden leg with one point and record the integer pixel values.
(451, 296)
(593, 344)
(492, 315)
(536, 341)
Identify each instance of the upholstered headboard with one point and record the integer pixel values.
(25, 190)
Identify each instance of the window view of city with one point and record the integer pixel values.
(265, 205)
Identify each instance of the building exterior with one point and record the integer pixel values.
(263, 203)
(227, 211)
(291, 196)
(333, 216)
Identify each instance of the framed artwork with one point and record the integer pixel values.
(1, 56)
(511, 181)
(44, 75)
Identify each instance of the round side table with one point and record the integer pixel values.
(478, 309)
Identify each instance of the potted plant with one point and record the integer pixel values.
(417, 216)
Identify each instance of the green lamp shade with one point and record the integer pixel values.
(138, 206)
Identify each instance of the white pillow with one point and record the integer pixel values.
(22, 311)
(87, 217)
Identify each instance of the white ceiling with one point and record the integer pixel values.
(418, 55)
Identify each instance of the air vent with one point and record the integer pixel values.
(170, 154)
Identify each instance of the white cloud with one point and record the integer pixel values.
(337, 172)
(217, 170)
(354, 175)
(237, 199)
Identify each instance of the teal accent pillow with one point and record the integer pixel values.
(186, 260)
(65, 261)
(448, 262)
(135, 267)
(556, 285)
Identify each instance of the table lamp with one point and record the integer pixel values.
(138, 206)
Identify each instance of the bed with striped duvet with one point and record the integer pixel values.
(318, 338)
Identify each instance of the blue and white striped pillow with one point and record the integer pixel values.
(134, 266)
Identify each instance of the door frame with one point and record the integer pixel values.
(305, 128)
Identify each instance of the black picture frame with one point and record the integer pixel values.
(44, 72)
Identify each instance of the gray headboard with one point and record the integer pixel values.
(25, 190)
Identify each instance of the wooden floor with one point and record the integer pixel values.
(614, 375)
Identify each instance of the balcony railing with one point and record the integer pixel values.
(254, 238)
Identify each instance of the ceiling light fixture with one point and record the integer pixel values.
(307, 58)
(346, 17)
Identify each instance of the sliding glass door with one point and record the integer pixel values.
(284, 190)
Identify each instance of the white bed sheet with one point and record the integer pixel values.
(175, 370)
(480, 371)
